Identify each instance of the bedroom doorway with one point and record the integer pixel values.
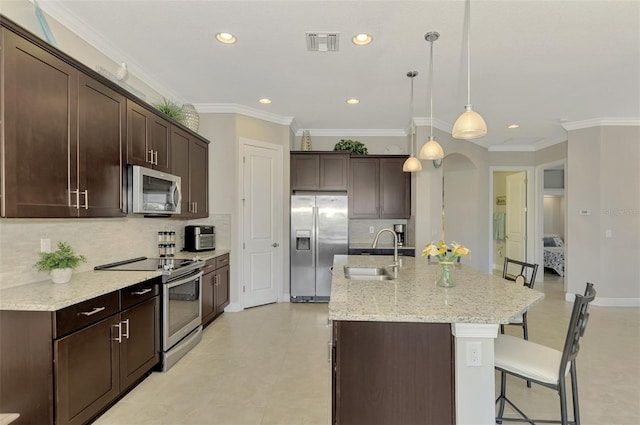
(551, 219)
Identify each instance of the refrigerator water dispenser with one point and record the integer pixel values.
(303, 240)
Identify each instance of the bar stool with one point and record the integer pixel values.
(543, 365)
(520, 278)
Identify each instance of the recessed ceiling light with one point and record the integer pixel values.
(362, 39)
(513, 126)
(265, 101)
(226, 38)
(353, 101)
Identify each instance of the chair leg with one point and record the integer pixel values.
(526, 336)
(503, 390)
(574, 392)
(563, 401)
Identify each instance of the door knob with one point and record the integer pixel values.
(275, 244)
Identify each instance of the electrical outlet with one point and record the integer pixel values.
(370, 229)
(45, 245)
(474, 354)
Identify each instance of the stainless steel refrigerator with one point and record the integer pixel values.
(319, 230)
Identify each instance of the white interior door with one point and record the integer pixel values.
(262, 223)
(516, 216)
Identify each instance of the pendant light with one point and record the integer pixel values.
(470, 124)
(412, 163)
(431, 149)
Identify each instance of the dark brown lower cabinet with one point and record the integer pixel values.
(215, 288)
(86, 368)
(393, 373)
(67, 366)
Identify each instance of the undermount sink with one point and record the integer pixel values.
(366, 273)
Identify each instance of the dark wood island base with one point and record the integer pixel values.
(393, 373)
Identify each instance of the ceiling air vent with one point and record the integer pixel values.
(322, 41)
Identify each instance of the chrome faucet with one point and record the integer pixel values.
(395, 245)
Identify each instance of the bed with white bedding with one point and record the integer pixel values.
(554, 253)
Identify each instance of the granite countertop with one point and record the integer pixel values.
(413, 296)
(380, 246)
(49, 296)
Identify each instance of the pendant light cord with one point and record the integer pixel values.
(468, 18)
(411, 128)
(431, 89)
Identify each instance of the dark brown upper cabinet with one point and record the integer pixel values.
(190, 161)
(101, 165)
(148, 138)
(40, 130)
(68, 133)
(315, 171)
(378, 188)
(63, 137)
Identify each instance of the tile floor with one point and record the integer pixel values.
(268, 365)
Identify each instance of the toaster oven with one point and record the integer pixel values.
(199, 238)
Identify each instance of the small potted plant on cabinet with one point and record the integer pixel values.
(352, 146)
(60, 263)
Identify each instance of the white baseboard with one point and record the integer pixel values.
(608, 302)
(233, 308)
(286, 298)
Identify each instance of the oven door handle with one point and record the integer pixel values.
(172, 284)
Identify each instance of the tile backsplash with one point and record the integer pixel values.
(100, 240)
(359, 231)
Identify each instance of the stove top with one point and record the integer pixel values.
(171, 268)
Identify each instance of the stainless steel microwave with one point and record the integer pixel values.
(152, 192)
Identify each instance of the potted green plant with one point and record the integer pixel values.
(352, 146)
(60, 263)
(170, 109)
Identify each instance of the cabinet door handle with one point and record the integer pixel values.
(92, 312)
(195, 208)
(77, 193)
(125, 334)
(149, 156)
(144, 291)
(86, 199)
(119, 337)
(155, 157)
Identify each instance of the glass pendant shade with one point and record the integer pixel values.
(412, 164)
(469, 125)
(431, 150)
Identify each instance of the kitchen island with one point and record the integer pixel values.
(408, 351)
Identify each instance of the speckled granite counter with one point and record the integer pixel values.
(413, 295)
(48, 296)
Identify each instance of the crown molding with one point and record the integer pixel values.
(542, 144)
(439, 124)
(343, 132)
(74, 24)
(545, 143)
(234, 108)
(601, 122)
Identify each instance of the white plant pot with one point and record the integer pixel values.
(61, 275)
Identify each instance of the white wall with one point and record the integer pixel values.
(603, 175)
(468, 189)
(554, 215)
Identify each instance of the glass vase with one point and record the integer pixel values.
(446, 278)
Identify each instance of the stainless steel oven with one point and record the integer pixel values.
(182, 316)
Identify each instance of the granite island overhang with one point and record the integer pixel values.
(409, 336)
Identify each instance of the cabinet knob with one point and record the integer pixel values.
(275, 244)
